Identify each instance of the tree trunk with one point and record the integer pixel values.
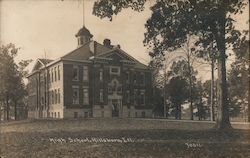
(222, 121)
(190, 84)
(212, 91)
(223, 111)
(165, 105)
(15, 104)
(176, 112)
(7, 107)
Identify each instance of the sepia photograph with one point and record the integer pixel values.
(124, 79)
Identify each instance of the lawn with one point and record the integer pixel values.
(110, 138)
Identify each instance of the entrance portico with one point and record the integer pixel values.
(115, 98)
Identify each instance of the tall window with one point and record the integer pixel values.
(58, 97)
(49, 77)
(101, 95)
(85, 73)
(128, 96)
(58, 71)
(75, 95)
(142, 97)
(55, 73)
(49, 98)
(142, 78)
(101, 75)
(52, 76)
(75, 73)
(134, 78)
(55, 96)
(85, 96)
(127, 77)
(135, 97)
(52, 97)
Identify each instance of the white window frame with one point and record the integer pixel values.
(55, 72)
(128, 96)
(142, 95)
(58, 71)
(85, 98)
(135, 97)
(52, 75)
(75, 100)
(85, 74)
(143, 78)
(55, 99)
(101, 97)
(101, 74)
(127, 75)
(58, 96)
(114, 73)
(77, 74)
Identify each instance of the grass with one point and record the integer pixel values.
(149, 138)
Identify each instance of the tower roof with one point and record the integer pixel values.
(84, 32)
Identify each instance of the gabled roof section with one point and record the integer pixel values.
(87, 50)
(40, 63)
(45, 61)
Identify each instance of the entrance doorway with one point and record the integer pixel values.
(115, 108)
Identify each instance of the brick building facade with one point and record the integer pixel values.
(94, 80)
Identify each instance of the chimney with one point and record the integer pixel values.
(107, 42)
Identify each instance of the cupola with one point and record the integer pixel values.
(83, 36)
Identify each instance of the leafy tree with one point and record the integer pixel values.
(12, 88)
(181, 68)
(239, 81)
(201, 99)
(172, 21)
(177, 90)
(158, 102)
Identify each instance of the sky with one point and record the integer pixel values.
(39, 26)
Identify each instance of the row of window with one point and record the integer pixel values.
(85, 97)
(137, 78)
(139, 97)
(54, 96)
(54, 74)
(85, 76)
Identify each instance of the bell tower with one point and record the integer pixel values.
(83, 36)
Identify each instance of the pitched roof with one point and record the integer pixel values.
(45, 61)
(84, 32)
(96, 49)
(86, 51)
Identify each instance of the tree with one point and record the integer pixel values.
(201, 99)
(12, 88)
(239, 81)
(172, 21)
(177, 93)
